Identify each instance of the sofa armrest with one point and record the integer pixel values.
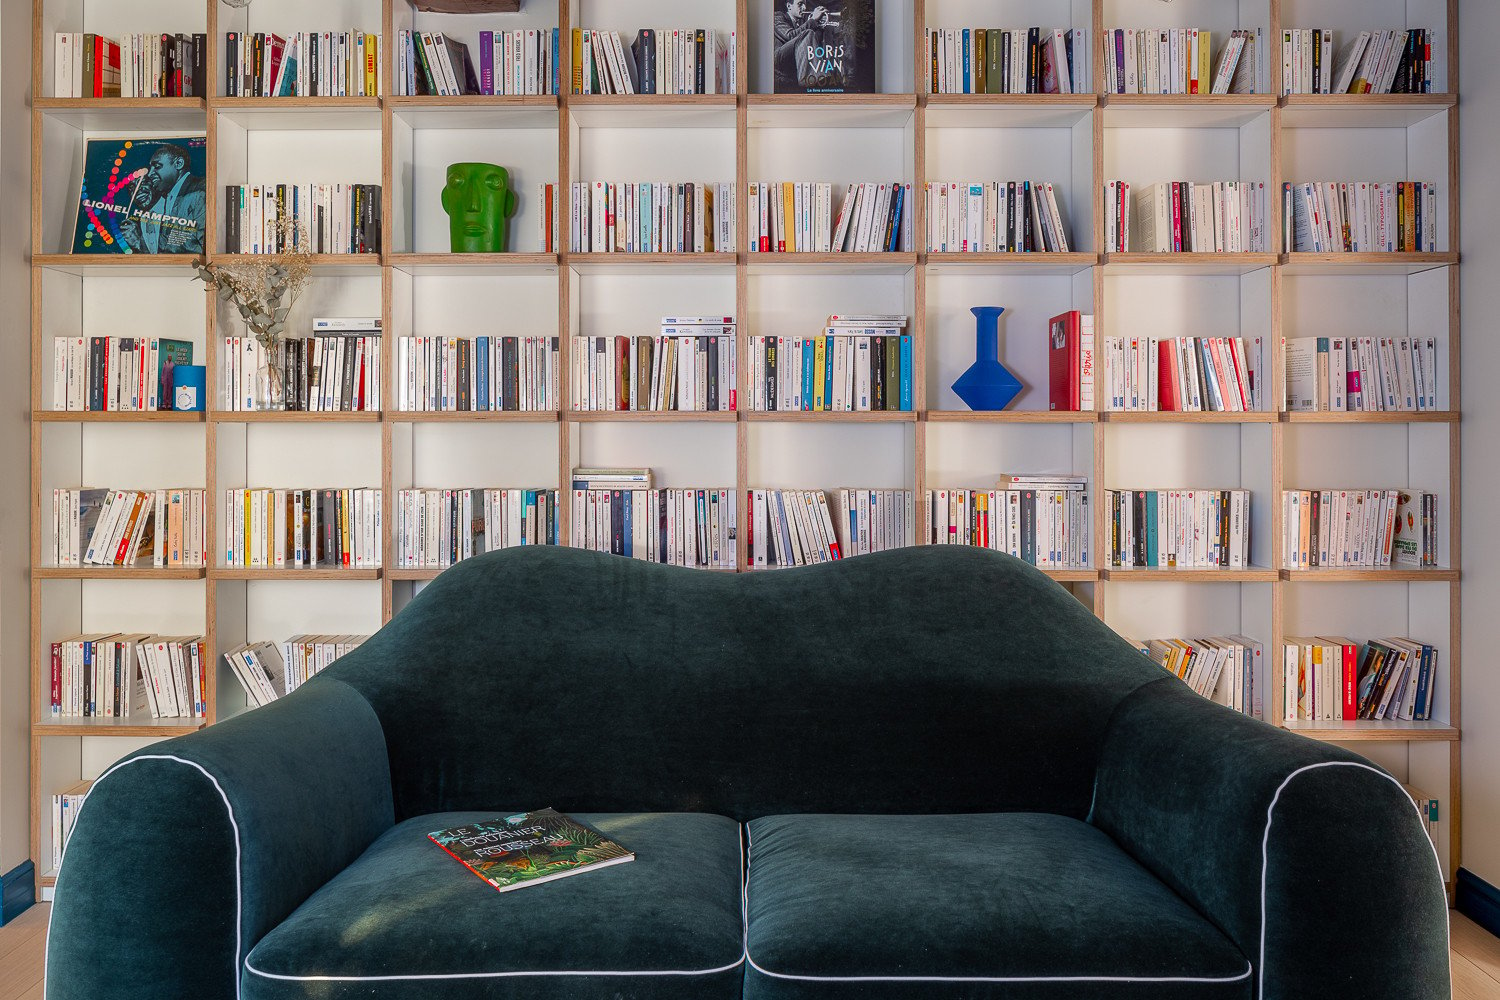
(1309, 858)
(185, 854)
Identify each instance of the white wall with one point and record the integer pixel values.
(1480, 147)
(15, 400)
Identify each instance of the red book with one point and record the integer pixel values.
(1064, 345)
(1168, 375)
(1177, 219)
(1351, 681)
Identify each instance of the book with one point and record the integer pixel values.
(1178, 529)
(1042, 520)
(303, 64)
(996, 217)
(618, 512)
(1070, 363)
(652, 217)
(854, 364)
(696, 60)
(331, 218)
(142, 195)
(828, 48)
(688, 367)
(1360, 216)
(120, 676)
(303, 528)
(1184, 374)
(1343, 528)
(526, 849)
(1036, 60)
(1225, 669)
(1182, 60)
(101, 527)
(436, 528)
(1336, 679)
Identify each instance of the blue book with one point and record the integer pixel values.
(807, 374)
(647, 213)
(966, 61)
(1151, 559)
(629, 519)
(88, 672)
(895, 240)
(1424, 676)
(906, 365)
(482, 372)
(828, 343)
(555, 64)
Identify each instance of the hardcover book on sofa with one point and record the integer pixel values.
(513, 852)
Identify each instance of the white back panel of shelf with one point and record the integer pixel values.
(829, 456)
(701, 456)
(477, 455)
(529, 154)
(972, 456)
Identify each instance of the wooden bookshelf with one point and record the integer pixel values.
(1077, 140)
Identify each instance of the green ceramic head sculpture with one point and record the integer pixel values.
(479, 203)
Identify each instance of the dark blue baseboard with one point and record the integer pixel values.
(18, 891)
(1478, 900)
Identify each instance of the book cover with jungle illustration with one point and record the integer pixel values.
(512, 852)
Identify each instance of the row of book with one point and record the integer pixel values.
(110, 374)
(660, 61)
(1329, 679)
(1360, 217)
(1393, 61)
(120, 676)
(337, 369)
(1041, 519)
(681, 217)
(318, 218)
(618, 511)
(437, 528)
(1360, 529)
(1183, 374)
(457, 374)
(995, 217)
(304, 64)
(1181, 61)
(787, 217)
(1179, 529)
(680, 369)
(843, 370)
(268, 670)
(1189, 217)
(790, 528)
(138, 65)
(104, 527)
(1008, 61)
(1226, 669)
(1354, 374)
(519, 62)
(308, 528)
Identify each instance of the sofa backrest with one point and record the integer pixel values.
(929, 680)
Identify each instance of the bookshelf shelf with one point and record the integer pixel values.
(1379, 417)
(117, 417)
(119, 573)
(1076, 141)
(1367, 730)
(1176, 417)
(1377, 575)
(1010, 417)
(294, 417)
(250, 575)
(1366, 263)
(1362, 110)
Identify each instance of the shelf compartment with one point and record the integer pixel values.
(653, 416)
(1255, 574)
(1362, 110)
(1364, 730)
(1366, 263)
(1007, 110)
(1370, 575)
(252, 574)
(831, 110)
(1372, 417)
(119, 572)
(1188, 417)
(1010, 417)
(653, 110)
(1183, 110)
(473, 264)
(1188, 263)
(1023, 263)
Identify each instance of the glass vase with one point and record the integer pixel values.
(270, 387)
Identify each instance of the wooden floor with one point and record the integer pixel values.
(1476, 958)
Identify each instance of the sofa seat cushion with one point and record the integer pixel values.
(982, 907)
(407, 921)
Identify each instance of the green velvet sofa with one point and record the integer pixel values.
(922, 775)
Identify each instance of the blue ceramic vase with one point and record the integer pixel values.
(987, 385)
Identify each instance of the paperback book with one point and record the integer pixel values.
(513, 852)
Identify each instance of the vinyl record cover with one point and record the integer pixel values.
(142, 196)
(824, 46)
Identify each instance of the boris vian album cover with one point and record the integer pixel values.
(825, 47)
(146, 195)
